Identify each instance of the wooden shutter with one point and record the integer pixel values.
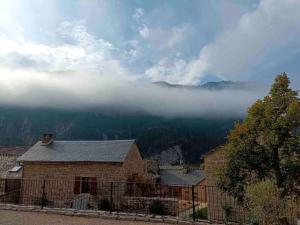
(93, 186)
(77, 186)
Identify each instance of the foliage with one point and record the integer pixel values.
(227, 209)
(266, 144)
(265, 204)
(104, 204)
(156, 207)
(41, 201)
(153, 133)
(201, 214)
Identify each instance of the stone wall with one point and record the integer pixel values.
(60, 177)
(217, 200)
(134, 164)
(44, 170)
(141, 204)
(7, 161)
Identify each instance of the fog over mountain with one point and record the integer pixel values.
(79, 91)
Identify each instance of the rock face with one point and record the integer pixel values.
(172, 155)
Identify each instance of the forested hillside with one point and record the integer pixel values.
(191, 136)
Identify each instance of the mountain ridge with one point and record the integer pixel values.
(215, 85)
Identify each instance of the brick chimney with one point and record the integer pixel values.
(47, 139)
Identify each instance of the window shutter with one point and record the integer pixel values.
(77, 186)
(93, 186)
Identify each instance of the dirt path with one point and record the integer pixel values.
(34, 218)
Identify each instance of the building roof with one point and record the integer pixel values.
(13, 150)
(179, 177)
(78, 151)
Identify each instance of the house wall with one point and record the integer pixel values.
(134, 164)
(216, 198)
(212, 162)
(60, 178)
(43, 170)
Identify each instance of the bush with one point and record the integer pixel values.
(201, 214)
(41, 201)
(104, 204)
(156, 207)
(227, 210)
(265, 204)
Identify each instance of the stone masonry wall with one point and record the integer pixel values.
(134, 164)
(7, 161)
(60, 177)
(217, 199)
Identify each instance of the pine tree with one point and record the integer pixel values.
(266, 145)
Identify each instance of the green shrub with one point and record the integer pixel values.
(201, 214)
(104, 204)
(265, 204)
(156, 207)
(227, 209)
(41, 201)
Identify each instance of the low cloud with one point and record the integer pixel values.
(93, 92)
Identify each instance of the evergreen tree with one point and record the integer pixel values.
(266, 144)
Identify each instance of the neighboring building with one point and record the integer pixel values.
(85, 166)
(217, 200)
(9, 168)
(181, 181)
(152, 168)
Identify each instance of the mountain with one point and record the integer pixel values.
(216, 86)
(230, 85)
(157, 137)
(167, 139)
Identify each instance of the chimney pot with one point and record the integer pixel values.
(47, 139)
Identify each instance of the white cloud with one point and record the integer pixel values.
(144, 31)
(178, 34)
(271, 30)
(167, 70)
(138, 13)
(91, 91)
(176, 71)
(84, 52)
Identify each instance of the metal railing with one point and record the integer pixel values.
(197, 202)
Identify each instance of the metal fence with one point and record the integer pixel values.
(186, 202)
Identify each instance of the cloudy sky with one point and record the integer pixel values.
(191, 42)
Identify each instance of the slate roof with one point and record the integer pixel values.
(78, 151)
(178, 177)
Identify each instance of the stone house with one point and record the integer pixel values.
(62, 171)
(217, 200)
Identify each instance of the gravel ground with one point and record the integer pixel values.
(33, 218)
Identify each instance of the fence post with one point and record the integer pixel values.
(111, 197)
(43, 195)
(193, 201)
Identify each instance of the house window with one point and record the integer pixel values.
(85, 185)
